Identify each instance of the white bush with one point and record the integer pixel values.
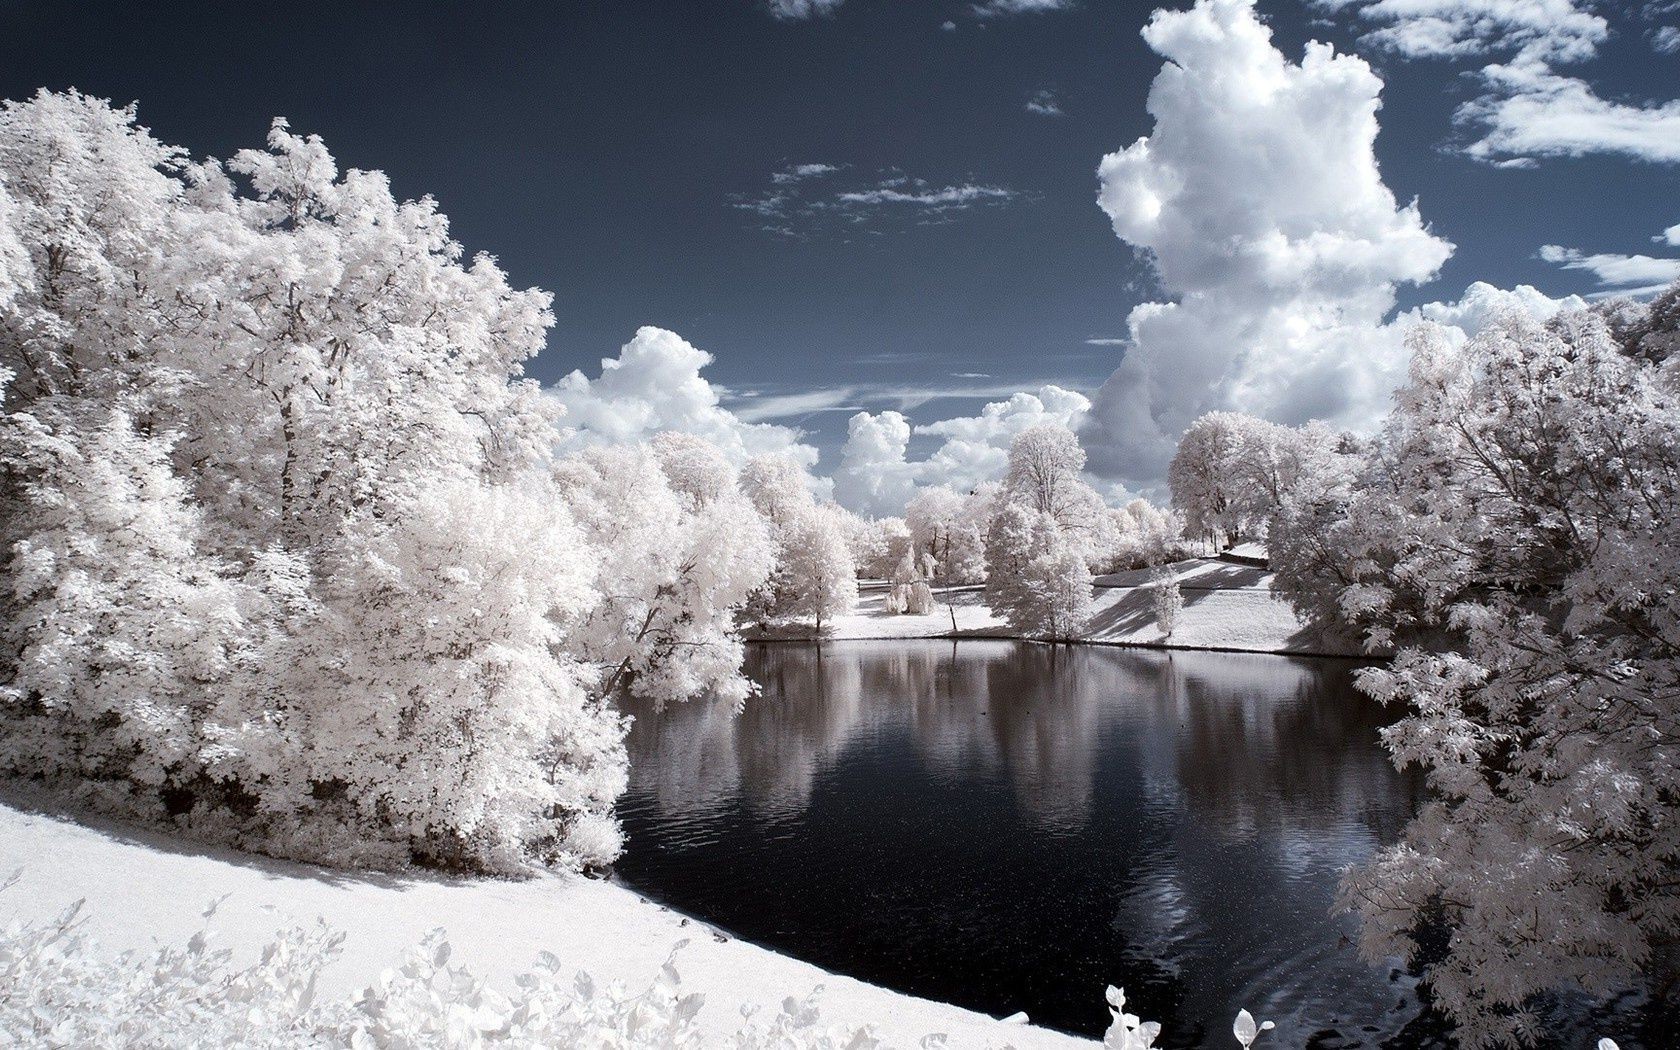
(58, 989)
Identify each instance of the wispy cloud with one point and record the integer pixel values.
(1002, 8)
(1106, 341)
(1617, 274)
(762, 406)
(804, 199)
(799, 10)
(947, 197)
(1527, 108)
(1044, 103)
(800, 172)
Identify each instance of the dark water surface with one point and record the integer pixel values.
(1013, 827)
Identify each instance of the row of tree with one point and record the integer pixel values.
(285, 552)
(1509, 541)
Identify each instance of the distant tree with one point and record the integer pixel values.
(950, 528)
(819, 579)
(1167, 599)
(1035, 579)
(1203, 476)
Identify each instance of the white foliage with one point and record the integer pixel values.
(681, 550)
(1510, 540)
(282, 553)
(1167, 600)
(61, 989)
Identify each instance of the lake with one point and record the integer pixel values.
(1013, 827)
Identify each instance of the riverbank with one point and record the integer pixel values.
(1229, 606)
(146, 890)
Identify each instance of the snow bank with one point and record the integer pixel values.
(145, 890)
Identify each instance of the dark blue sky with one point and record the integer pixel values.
(598, 149)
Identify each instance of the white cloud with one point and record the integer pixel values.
(1106, 341)
(1258, 198)
(654, 384)
(948, 26)
(1482, 304)
(1617, 274)
(877, 477)
(804, 199)
(997, 8)
(1535, 112)
(800, 172)
(1670, 236)
(947, 197)
(797, 10)
(1044, 104)
(1666, 40)
(1550, 30)
(1528, 109)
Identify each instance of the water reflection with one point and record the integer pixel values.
(1013, 827)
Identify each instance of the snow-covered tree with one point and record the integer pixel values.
(1035, 578)
(1511, 540)
(878, 544)
(676, 564)
(1203, 476)
(1167, 599)
(275, 496)
(950, 527)
(1233, 472)
(814, 575)
(817, 577)
(910, 591)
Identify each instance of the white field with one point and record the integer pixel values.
(146, 890)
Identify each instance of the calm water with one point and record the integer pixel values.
(1013, 827)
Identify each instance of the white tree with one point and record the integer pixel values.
(676, 564)
(1035, 579)
(1167, 598)
(1511, 540)
(818, 577)
(1202, 476)
(950, 528)
(910, 591)
(318, 453)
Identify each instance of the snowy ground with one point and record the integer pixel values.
(1227, 605)
(871, 620)
(144, 890)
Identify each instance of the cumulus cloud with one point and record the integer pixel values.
(1044, 104)
(1670, 236)
(1258, 199)
(876, 475)
(1528, 109)
(1482, 304)
(653, 385)
(798, 10)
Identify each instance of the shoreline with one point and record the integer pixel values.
(147, 888)
(1304, 654)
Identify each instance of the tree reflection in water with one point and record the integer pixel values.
(1013, 826)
